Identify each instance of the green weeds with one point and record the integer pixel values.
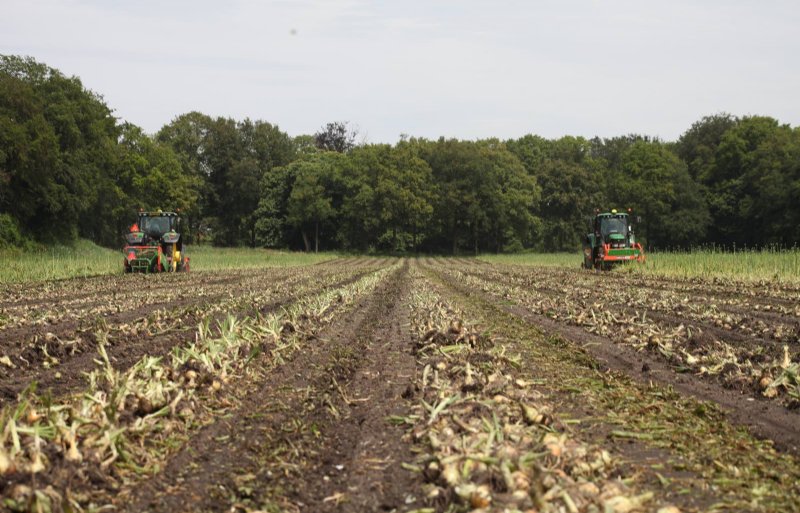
(207, 258)
(750, 265)
(81, 260)
(85, 259)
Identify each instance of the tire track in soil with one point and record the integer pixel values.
(276, 450)
(358, 465)
(68, 375)
(772, 421)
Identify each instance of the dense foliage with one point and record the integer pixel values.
(69, 168)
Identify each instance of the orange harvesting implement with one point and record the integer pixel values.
(612, 241)
(154, 244)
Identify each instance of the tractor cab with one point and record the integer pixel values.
(156, 226)
(611, 241)
(613, 229)
(154, 244)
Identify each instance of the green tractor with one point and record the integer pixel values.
(611, 241)
(154, 244)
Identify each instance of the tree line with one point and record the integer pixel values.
(69, 168)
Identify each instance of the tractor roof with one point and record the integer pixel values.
(158, 214)
(613, 213)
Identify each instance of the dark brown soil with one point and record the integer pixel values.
(125, 350)
(701, 296)
(765, 419)
(312, 433)
(313, 436)
(637, 457)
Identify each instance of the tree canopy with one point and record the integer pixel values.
(69, 168)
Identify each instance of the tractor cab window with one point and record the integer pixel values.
(155, 226)
(613, 225)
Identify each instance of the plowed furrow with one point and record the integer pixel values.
(655, 429)
(773, 421)
(313, 425)
(125, 351)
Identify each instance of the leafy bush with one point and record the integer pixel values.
(10, 234)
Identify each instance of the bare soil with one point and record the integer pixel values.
(313, 432)
(764, 418)
(57, 355)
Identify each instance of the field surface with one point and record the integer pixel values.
(413, 385)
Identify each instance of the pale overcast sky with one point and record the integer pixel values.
(458, 68)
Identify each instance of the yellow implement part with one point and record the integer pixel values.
(176, 257)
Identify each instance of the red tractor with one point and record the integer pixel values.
(154, 244)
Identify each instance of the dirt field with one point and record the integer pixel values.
(427, 385)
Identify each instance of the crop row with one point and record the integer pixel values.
(125, 423)
(734, 353)
(488, 440)
(50, 348)
(683, 449)
(88, 299)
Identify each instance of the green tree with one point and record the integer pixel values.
(310, 202)
(698, 145)
(187, 136)
(336, 136)
(570, 188)
(57, 142)
(482, 188)
(656, 184)
(387, 199)
(409, 191)
(305, 144)
(753, 183)
(272, 225)
(230, 159)
(569, 194)
(145, 175)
